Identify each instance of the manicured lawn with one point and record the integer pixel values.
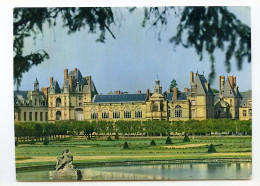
(100, 150)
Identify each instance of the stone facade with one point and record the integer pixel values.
(78, 99)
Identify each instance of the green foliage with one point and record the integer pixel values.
(207, 29)
(173, 84)
(16, 143)
(211, 149)
(211, 28)
(125, 146)
(153, 143)
(46, 141)
(109, 138)
(186, 138)
(214, 90)
(168, 140)
(116, 136)
(32, 142)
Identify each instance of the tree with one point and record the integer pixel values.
(173, 84)
(207, 29)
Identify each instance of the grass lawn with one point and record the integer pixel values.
(100, 150)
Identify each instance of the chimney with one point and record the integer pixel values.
(89, 85)
(191, 78)
(70, 83)
(45, 91)
(186, 90)
(51, 81)
(221, 82)
(75, 71)
(139, 92)
(170, 90)
(117, 92)
(235, 80)
(65, 74)
(175, 91)
(147, 93)
(231, 81)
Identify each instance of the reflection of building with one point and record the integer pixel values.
(78, 99)
(245, 110)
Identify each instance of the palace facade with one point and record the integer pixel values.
(78, 99)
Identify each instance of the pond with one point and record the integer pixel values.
(183, 171)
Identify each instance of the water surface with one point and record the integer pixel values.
(184, 171)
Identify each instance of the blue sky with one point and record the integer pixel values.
(130, 62)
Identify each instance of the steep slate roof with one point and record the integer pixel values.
(56, 86)
(200, 81)
(119, 98)
(181, 96)
(229, 91)
(21, 94)
(248, 96)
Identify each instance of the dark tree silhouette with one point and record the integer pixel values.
(207, 29)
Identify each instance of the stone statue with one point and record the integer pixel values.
(65, 170)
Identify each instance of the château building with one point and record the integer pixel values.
(78, 99)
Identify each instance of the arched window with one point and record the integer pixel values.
(58, 115)
(58, 102)
(105, 113)
(116, 113)
(127, 113)
(138, 112)
(94, 113)
(178, 111)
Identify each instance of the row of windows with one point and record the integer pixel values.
(127, 114)
(38, 116)
(249, 112)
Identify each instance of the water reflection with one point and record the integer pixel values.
(154, 172)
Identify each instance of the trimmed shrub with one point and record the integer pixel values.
(125, 146)
(168, 140)
(46, 141)
(89, 138)
(16, 143)
(153, 143)
(211, 149)
(116, 136)
(109, 138)
(186, 138)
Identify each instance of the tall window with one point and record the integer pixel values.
(138, 112)
(244, 112)
(178, 111)
(24, 116)
(46, 116)
(35, 116)
(116, 113)
(155, 107)
(250, 112)
(30, 116)
(169, 112)
(58, 115)
(105, 115)
(127, 114)
(40, 116)
(58, 102)
(94, 113)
